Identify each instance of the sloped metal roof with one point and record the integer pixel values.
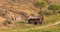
(31, 17)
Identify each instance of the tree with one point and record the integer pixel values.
(54, 7)
(41, 5)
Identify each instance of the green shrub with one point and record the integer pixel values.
(20, 22)
(41, 4)
(54, 7)
(46, 12)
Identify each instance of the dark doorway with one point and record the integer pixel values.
(35, 23)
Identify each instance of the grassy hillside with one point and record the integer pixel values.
(17, 6)
(24, 27)
(18, 12)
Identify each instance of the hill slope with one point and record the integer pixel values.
(17, 9)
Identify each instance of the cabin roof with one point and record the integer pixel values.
(33, 17)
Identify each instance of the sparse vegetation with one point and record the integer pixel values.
(46, 13)
(17, 8)
(54, 7)
(46, 30)
(41, 4)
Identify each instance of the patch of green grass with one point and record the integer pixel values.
(52, 19)
(24, 25)
(46, 30)
(21, 22)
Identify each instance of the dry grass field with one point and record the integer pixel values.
(16, 9)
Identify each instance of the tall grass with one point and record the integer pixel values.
(46, 30)
(51, 18)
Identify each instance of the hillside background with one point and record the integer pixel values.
(14, 15)
(20, 9)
